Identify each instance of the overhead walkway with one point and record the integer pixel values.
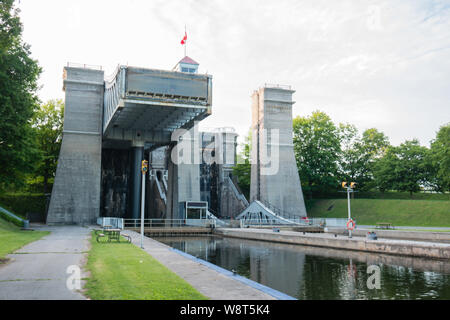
(150, 104)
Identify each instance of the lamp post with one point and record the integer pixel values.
(144, 169)
(349, 211)
(349, 190)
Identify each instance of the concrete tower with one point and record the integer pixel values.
(76, 190)
(274, 175)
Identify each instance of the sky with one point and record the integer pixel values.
(373, 63)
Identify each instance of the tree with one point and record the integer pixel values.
(360, 154)
(48, 125)
(317, 150)
(18, 84)
(384, 170)
(439, 159)
(403, 168)
(242, 170)
(349, 152)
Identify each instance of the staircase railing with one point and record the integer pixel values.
(238, 194)
(161, 193)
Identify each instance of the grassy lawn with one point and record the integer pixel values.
(12, 238)
(122, 271)
(427, 213)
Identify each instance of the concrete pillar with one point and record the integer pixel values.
(76, 190)
(184, 173)
(172, 192)
(136, 181)
(274, 176)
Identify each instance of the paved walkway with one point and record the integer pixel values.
(207, 281)
(38, 270)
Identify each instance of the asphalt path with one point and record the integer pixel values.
(47, 269)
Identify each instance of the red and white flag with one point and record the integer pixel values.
(183, 41)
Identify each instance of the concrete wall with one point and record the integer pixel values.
(184, 174)
(396, 247)
(215, 170)
(276, 183)
(76, 190)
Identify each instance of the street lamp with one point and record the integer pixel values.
(349, 221)
(144, 169)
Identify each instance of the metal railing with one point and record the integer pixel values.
(84, 65)
(170, 223)
(25, 223)
(320, 222)
(114, 91)
(161, 193)
(210, 214)
(279, 212)
(277, 86)
(238, 194)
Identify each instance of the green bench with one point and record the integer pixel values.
(111, 234)
(384, 225)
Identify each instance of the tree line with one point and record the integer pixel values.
(327, 154)
(30, 131)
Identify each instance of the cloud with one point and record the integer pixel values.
(374, 63)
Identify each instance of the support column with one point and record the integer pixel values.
(172, 192)
(274, 177)
(136, 180)
(76, 191)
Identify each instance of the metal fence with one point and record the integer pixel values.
(170, 223)
(321, 222)
(84, 66)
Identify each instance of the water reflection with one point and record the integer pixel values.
(317, 273)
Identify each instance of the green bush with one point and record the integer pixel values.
(22, 203)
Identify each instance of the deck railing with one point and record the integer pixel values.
(170, 223)
(320, 222)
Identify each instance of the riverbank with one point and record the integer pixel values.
(328, 240)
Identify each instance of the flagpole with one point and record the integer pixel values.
(185, 43)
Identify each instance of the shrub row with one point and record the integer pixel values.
(22, 203)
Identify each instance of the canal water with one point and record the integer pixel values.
(318, 273)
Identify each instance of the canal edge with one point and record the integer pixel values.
(270, 291)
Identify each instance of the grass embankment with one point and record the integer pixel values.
(427, 213)
(122, 271)
(12, 238)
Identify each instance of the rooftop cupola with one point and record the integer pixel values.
(187, 65)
